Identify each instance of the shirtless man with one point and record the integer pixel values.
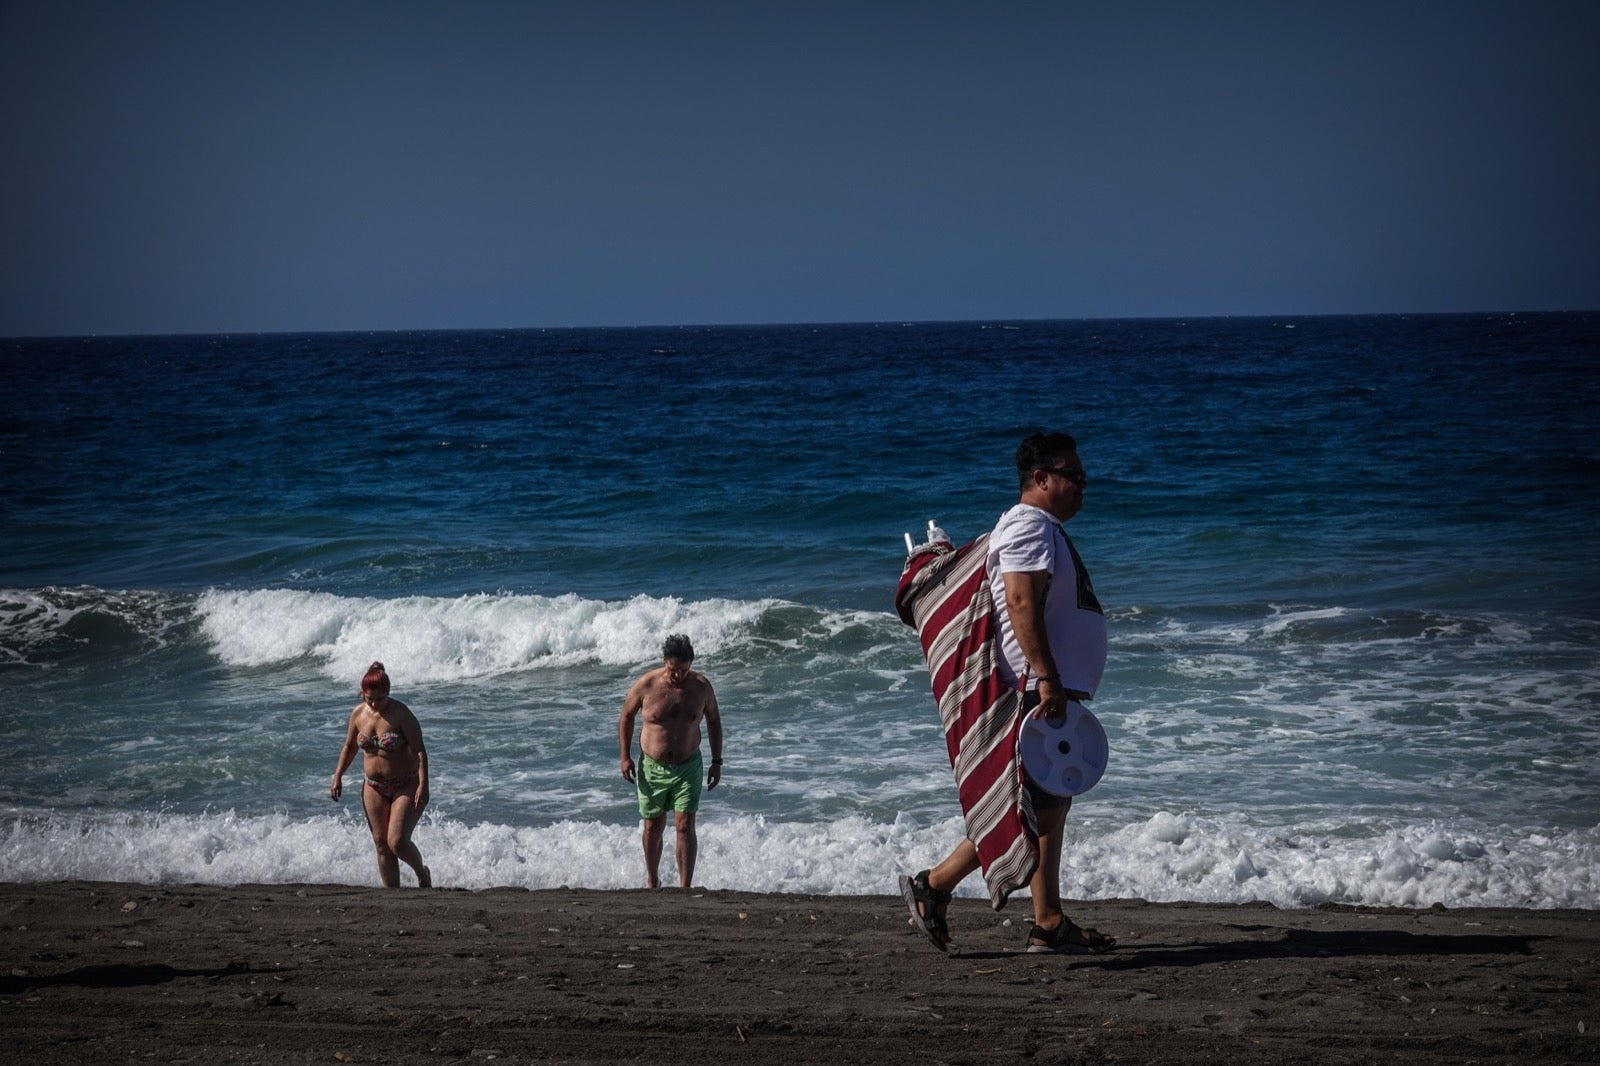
(674, 700)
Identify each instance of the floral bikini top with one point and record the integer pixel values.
(380, 743)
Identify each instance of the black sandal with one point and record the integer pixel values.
(921, 898)
(1068, 939)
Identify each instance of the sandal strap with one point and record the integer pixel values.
(927, 891)
(1070, 932)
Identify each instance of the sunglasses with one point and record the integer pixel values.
(1077, 477)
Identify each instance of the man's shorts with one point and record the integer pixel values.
(664, 788)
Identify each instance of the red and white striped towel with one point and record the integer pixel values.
(944, 595)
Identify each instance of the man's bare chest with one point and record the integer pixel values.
(673, 705)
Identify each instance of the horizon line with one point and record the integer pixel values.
(814, 324)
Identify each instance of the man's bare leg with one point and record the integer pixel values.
(1045, 885)
(687, 845)
(653, 835)
(955, 868)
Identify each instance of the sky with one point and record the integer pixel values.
(343, 165)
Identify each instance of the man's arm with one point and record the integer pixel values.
(714, 735)
(1025, 606)
(631, 704)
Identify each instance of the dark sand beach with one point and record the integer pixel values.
(114, 973)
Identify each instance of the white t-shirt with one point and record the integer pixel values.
(1028, 539)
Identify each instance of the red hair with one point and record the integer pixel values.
(376, 680)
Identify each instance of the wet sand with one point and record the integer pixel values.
(110, 973)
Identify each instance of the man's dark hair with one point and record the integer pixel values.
(1041, 450)
(677, 647)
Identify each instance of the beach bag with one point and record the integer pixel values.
(944, 595)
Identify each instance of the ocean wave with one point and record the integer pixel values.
(38, 626)
(460, 638)
(1169, 857)
(488, 635)
(1260, 626)
(466, 637)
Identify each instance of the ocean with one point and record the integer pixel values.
(1350, 567)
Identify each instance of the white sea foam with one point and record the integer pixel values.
(1171, 856)
(462, 638)
(28, 617)
(1286, 618)
(32, 620)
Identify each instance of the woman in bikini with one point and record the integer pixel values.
(396, 769)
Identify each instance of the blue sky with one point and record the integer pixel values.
(210, 167)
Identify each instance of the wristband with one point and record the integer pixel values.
(1051, 677)
(716, 762)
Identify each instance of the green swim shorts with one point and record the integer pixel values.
(663, 787)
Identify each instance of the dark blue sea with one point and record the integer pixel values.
(1351, 569)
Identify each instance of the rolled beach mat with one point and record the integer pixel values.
(1067, 756)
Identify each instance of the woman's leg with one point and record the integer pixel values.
(378, 814)
(403, 816)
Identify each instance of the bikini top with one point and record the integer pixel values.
(380, 742)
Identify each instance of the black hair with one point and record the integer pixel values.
(1037, 450)
(677, 647)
